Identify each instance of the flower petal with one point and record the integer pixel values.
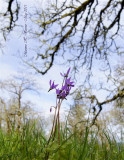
(68, 71)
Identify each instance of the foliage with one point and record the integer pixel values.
(32, 144)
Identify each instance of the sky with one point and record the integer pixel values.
(10, 65)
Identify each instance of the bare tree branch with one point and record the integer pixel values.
(87, 29)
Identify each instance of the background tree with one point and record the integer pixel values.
(4, 116)
(76, 119)
(17, 87)
(117, 113)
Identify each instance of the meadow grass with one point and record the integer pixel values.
(31, 144)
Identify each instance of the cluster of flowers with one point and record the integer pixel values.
(66, 86)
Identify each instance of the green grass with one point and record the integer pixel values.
(31, 144)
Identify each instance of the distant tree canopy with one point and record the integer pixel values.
(16, 107)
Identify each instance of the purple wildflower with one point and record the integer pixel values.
(66, 74)
(52, 85)
(65, 89)
(61, 94)
(69, 83)
(58, 91)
